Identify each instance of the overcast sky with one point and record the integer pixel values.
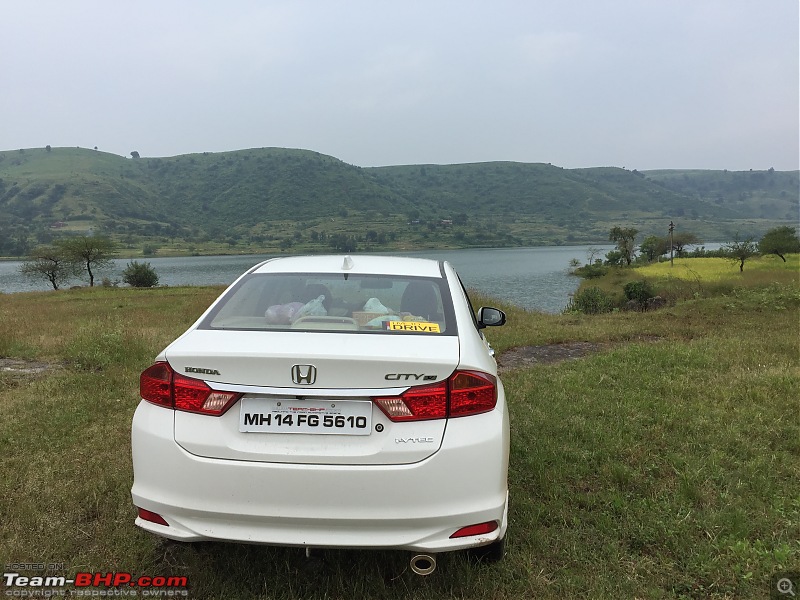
(708, 84)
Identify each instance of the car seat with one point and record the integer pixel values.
(420, 299)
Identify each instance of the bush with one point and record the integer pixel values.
(591, 301)
(591, 271)
(638, 290)
(615, 258)
(140, 275)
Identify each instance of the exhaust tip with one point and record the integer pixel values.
(423, 564)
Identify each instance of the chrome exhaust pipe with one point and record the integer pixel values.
(423, 564)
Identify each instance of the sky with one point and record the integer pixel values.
(640, 84)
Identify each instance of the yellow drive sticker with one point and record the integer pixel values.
(413, 326)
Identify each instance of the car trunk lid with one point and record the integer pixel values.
(294, 383)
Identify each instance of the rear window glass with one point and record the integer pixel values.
(372, 304)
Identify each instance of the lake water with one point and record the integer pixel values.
(534, 278)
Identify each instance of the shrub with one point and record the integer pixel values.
(638, 290)
(615, 258)
(591, 301)
(138, 274)
(591, 271)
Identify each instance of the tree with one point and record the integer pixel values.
(591, 255)
(93, 252)
(460, 219)
(653, 246)
(740, 251)
(134, 154)
(140, 275)
(683, 239)
(780, 241)
(614, 258)
(624, 238)
(52, 263)
(341, 242)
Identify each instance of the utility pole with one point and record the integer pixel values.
(671, 245)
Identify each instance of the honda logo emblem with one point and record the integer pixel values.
(304, 374)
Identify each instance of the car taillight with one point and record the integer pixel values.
(471, 393)
(417, 403)
(155, 384)
(161, 385)
(463, 393)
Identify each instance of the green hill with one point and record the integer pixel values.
(266, 199)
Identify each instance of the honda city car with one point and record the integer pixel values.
(329, 402)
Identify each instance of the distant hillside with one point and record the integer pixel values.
(272, 199)
(744, 194)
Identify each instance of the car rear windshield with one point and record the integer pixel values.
(374, 304)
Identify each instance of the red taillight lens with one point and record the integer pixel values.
(464, 393)
(161, 385)
(155, 384)
(472, 393)
(417, 403)
(478, 529)
(149, 515)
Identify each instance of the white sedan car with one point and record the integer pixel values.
(329, 401)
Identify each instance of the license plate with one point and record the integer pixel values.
(282, 415)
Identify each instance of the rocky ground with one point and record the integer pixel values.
(526, 356)
(23, 367)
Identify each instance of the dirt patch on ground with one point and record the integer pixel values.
(24, 367)
(527, 356)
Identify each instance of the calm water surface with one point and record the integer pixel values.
(534, 278)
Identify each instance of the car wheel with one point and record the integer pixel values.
(490, 553)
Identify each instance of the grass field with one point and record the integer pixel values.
(769, 266)
(693, 278)
(663, 466)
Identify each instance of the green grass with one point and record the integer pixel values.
(718, 269)
(663, 467)
(692, 278)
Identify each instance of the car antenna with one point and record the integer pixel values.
(346, 266)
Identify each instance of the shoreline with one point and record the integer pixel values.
(278, 252)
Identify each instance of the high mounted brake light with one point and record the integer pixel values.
(161, 385)
(463, 393)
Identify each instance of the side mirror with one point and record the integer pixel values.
(490, 317)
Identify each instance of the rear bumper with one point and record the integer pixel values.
(414, 507)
